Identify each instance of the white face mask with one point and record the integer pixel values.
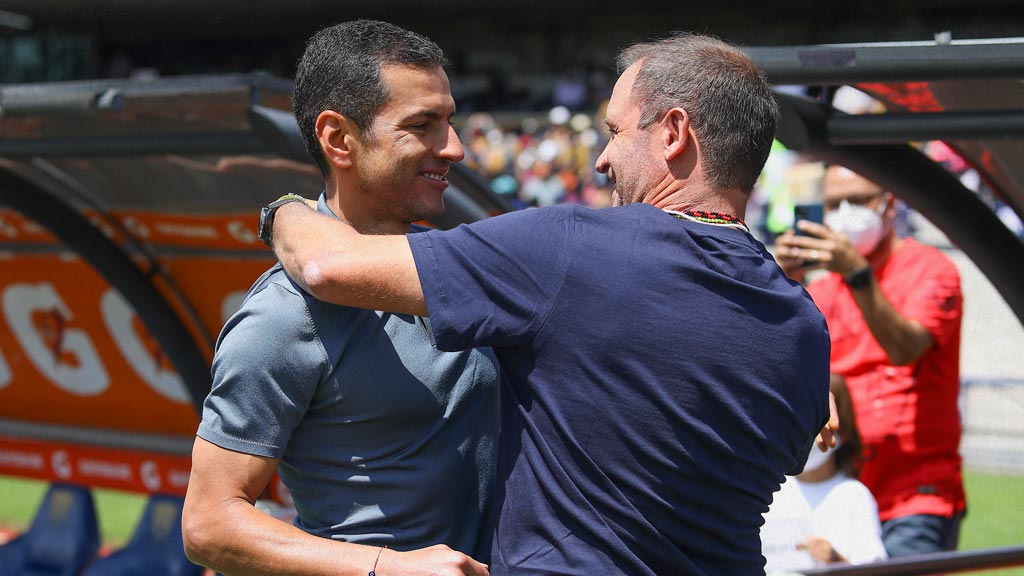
(862, 225)
(816, 459)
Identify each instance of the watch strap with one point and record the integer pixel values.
(859, 278)
(266, 225)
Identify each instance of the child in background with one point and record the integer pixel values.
(824, 515)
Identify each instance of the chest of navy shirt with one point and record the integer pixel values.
(662, 377)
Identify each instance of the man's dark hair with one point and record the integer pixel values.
(731, 106)
(341, 71)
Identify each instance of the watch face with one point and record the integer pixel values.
(860, 278)
(265, 233)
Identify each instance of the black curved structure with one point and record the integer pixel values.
(924, 185)
(966, 93)
(116, 267)
(201, 145)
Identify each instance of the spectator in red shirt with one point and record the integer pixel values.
(893, 308)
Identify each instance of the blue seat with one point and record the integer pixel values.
(63, 536)
(155, 548)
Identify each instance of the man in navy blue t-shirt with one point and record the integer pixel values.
(663, 373)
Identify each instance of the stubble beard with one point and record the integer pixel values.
(391, 202)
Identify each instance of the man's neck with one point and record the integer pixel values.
(705, 199)
(349, 209)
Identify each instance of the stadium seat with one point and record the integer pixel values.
(63, 537)
(155, 548)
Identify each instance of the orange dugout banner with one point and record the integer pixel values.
(95, 466)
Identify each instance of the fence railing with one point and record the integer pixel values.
(938, 563)
(992, 411)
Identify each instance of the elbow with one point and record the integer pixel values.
(198, 538)
(313, 279)
(304, 268)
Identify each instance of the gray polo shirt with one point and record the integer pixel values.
(382, 438)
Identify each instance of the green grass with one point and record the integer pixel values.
(994, 519)
(995, 515)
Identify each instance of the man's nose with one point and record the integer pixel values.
(602, 162)
(452, 149)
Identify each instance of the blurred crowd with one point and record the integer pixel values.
(534, 159)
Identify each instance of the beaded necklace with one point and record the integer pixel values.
(714, 218)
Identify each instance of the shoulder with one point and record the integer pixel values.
(505, 232)
(274, 297)
(851, 489)
(547, 214)
(926, 257)
(824, 285)
(275, 294)
(272, 282)
(274, 308)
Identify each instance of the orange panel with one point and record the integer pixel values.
(73, 352)
(94, 466)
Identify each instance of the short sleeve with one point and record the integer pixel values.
(493, 282)
(859, 537)
(936, 301)
(266, 370)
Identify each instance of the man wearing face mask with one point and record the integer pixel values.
(893, 307)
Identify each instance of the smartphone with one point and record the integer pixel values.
(812, 211)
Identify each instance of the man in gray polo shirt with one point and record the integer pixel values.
(386, 444)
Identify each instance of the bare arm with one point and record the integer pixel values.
(821, 550)
(903, 340)
(336, 264)
(224, 531)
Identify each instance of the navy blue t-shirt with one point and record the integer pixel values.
(663, 376)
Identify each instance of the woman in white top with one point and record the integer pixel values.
(824, 515)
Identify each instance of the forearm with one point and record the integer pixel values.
(222, 529)
(239, 539)
(336, 264)
(903, 340)
(303, 238)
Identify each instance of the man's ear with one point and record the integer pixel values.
(675, 128)
(338, 135)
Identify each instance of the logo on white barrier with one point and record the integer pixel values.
(61, 464)
(150, 474)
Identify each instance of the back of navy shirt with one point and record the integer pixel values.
(663, 376)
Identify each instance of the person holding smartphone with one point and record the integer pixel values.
(894, 308)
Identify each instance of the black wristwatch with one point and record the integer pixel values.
(859, 278)
(266, 228)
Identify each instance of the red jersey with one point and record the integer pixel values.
(907, 415)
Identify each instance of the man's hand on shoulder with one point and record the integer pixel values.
(439, 560)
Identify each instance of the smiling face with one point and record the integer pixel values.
(627, 159)
(407, 151)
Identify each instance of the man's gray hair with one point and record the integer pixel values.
(731, 106)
